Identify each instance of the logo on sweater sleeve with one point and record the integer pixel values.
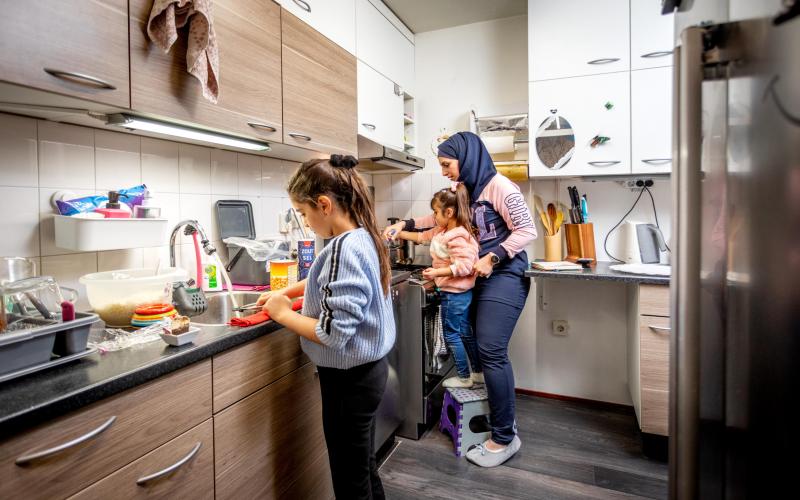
(518, 211)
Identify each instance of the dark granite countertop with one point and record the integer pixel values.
(41, 396)
(601, 272)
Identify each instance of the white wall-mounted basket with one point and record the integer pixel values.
(91, 235)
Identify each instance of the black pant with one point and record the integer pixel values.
(349, 401)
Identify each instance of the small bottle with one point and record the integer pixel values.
(149, 208)
(212, 279)
(113, 209)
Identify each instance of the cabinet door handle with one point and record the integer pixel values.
(657, 161)
(142, 481)
(262, 126)
(660, 329)
(80, 78)
(603, 60)
(603, 163)
(27, 459)
(659, 53)
(300, 136)
(369, 126)
(303, 5)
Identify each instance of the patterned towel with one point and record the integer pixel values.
(439, 346)
(202, 54)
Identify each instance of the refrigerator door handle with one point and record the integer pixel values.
(685, 345)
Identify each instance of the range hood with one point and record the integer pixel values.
(374, 157)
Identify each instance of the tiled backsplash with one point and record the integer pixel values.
(39, 158)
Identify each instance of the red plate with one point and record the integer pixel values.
(153, 309)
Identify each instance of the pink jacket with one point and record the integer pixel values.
(456, 249)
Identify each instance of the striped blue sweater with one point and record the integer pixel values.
(356, 321)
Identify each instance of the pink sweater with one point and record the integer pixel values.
(456, 249)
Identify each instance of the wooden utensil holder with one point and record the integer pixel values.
(553, 247)
(580, 242)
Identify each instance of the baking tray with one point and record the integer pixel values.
(55, 361)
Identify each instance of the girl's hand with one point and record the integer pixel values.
(484, 267)
(277, 306)
(429, 273)
(266, 295)
(392, 232)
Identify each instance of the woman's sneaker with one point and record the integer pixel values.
(458, 382)
(477, 377)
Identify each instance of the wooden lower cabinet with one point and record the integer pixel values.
(271, 444)
(193, 478)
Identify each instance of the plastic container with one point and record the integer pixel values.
(73, 336)
(90, 235)
(23, 348)
(181, 338)
(282, 273)
(115, 295)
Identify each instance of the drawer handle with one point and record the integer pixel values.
(26, 459)
(303, 5)
(603, 163)
(660, 53)
(369, 126)
(660, 329)
(657, 161)
(300, 136)
(84, 79)
(142, 481)
(262, 126)
(604, 60)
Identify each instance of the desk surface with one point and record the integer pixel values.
(601, 272)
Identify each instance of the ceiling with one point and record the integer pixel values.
(430, 15)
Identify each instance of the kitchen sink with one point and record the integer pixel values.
(220, 308)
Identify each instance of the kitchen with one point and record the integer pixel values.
(610, 402)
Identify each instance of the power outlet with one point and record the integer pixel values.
(636, 183)
(560, 327)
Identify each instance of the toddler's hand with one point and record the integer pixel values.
(391, 232)
(429, 273)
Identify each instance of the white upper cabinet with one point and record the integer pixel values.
(336, 19)
(577, 37)
(651, 121)
(576, 110)
(651, 35)
(380, 110)
(382, 46)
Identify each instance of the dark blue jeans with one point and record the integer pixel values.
(458, 333)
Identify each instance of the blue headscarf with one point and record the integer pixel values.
(475, 165)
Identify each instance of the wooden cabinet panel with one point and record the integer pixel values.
(271, 440)
(654, 357)
(655, 412)
(319, 91)
(146, 417)
(193, 479)
(248, 35)
(246, 369)
(654, 300)
(73, 47)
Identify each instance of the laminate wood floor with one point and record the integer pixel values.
(569, 450)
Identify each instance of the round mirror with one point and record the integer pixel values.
(555, 141)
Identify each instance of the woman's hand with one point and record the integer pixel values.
(392, 232)
(484, 266)
(266, 295)
(277, 306)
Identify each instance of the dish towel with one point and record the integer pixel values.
(439, 345)
(202, 54)
(261, 316)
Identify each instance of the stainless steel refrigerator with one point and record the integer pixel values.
(735, 367)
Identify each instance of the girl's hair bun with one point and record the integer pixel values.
(343, 161)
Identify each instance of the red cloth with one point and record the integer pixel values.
(261, 316)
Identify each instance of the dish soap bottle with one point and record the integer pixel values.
(212, 278)
(113, 209)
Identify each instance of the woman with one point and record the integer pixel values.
(505, 227)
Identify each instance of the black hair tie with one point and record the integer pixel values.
(343, 161)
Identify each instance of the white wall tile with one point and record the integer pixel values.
(438, 182)
(66, 269)
(152, 257)
(160, 165)
(47, 231)
(420, 208)
(271, 206)
(368, 179)
(20, 222)
(119, 259)
(66, 156)
(18, 151)
(117, 160)
(401, 187)
(195, 169)
(420, 186)
(383, 210)
(224, 173)
(401, 209)
(273, 177)
(197, 207)
(289, 168)
(249, 175)
(383, 187)
(258, 219)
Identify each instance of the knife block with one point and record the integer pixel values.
(580, 242)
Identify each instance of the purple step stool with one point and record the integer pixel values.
(460, 407)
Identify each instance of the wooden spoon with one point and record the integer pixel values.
(546, 222)
(551, 213)
(558, 222)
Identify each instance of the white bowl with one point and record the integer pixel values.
(181, 339)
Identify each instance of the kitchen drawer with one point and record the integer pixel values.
(136, 422)
(655, 412)
(654, 300)
(242, 371)
(193, 478)
(654, 359)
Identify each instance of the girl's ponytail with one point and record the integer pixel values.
(458, 200)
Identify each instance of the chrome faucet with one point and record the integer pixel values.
(192, 226)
